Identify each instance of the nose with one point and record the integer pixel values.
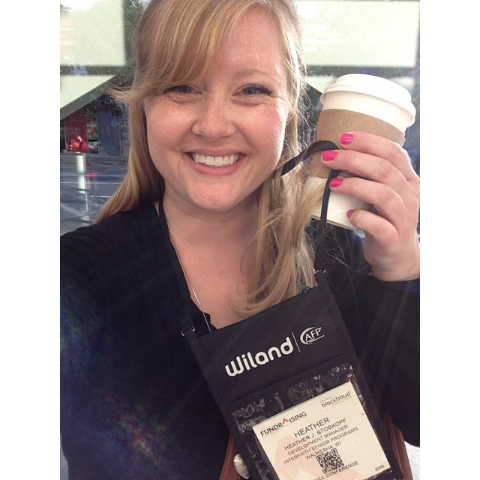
(214, 118)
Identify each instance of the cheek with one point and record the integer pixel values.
(157, 144)
(162, 136)
(273, 133)
(164, 124)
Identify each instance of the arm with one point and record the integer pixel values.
(383, 321)
(378, 292)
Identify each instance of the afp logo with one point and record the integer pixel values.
(311, 335)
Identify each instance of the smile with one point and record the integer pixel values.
(223, 161)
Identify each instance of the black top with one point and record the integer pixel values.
(134, 404)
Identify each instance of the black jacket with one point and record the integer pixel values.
(134, 404)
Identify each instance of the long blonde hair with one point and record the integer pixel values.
(176, 42)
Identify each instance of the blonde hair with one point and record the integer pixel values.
(176, 42)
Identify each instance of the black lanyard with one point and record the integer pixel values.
(280, 360)
(304, 156)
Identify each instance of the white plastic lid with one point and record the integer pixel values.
(376, 87)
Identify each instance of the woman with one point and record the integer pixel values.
(213, 118)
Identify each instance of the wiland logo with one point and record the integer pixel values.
(311, 335)
(249, 361)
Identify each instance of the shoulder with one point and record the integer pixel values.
(113, 235)
(114, 254)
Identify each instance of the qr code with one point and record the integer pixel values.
(330, 461)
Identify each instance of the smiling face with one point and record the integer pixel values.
(217, 140)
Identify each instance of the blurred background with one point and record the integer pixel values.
(378, 37)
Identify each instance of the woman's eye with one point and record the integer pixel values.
(256, 90)
(179, 89)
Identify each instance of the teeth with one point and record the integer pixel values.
(225, 161)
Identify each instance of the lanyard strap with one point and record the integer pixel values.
(303, 157)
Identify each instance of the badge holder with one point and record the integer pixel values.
(291, 390)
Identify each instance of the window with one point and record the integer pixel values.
(339, 37)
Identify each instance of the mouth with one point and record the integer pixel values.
(216, 162)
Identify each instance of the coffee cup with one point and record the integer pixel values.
(357, 102)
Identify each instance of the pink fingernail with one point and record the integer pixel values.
(329, 155)
(346, 139)
(336, 182)
(349, 213)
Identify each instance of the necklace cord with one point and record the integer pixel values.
(189, 283)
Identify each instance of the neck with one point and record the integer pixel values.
(215, 230)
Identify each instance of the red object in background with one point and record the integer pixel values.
(76, 133)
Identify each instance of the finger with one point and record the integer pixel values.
(393, 256)
(388, 203)
(380, 147)
(371, 167)
(379, 228)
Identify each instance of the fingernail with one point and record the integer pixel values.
(349, 213)
(335, 182)
(346, 139)
(329, 155)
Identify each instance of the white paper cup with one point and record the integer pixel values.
(338, 205)
(364, 103)
(373, 96)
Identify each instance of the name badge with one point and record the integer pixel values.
(326, 437)
(292, 392)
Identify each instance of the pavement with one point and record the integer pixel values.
(86, 183)
(414, 457)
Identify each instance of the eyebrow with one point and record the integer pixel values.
(243, 72)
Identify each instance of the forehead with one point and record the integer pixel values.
(255, 43)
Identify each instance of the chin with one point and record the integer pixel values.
(224, 204)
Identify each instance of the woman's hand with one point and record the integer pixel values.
(390, 184)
